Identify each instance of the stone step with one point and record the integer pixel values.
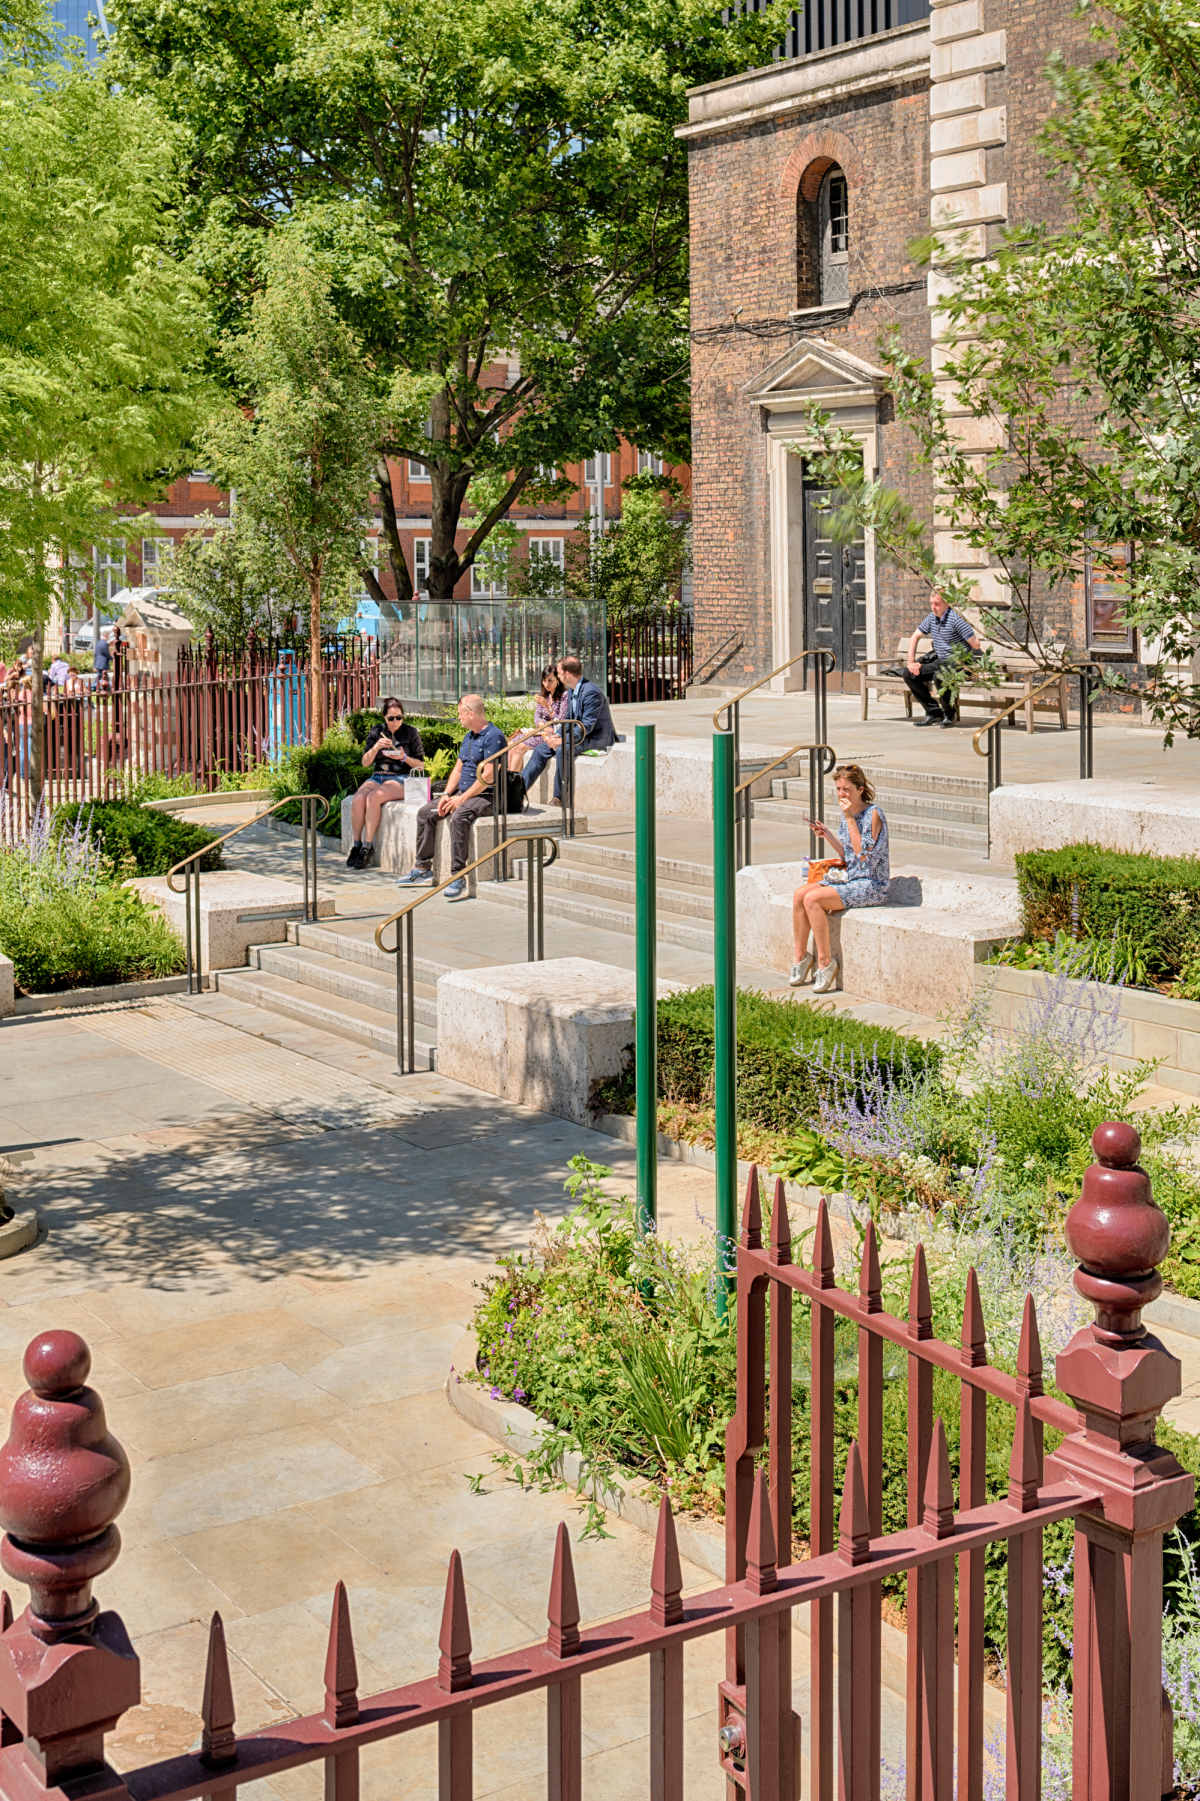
(335, 939)
(899, 802)
(922, 781)
(620, 890)
(909, 828)
(333, 975)
(345, 1019)
(579, 909)
(611, 859)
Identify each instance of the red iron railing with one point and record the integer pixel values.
(67, 1671)
(650, 658)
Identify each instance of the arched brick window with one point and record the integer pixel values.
(823, 235)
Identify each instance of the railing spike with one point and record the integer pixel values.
(920, 1307)
(760, 1540)
(870, 1278)
(854, 1526)
(822, 1257)
(563, 1610)
(666, 1577)
(341, 1667)
(781, 1227)
(6, 1610)
(454, 1639)
(752, 1213)
(938, 1515)
(974, 1336)
(218, 1743)
(1029, 1351)
(1025, 1464)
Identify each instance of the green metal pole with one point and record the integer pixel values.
(725, 1004)
(647, 984)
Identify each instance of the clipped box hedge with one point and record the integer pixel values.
(784, 1050)
(135, 840)
(1149, 904)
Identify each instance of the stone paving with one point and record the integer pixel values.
(271, 1253)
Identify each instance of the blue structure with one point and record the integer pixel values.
(71, 21)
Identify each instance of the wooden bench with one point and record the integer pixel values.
(1021, 675)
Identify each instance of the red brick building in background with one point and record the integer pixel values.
(809, 180)
(193, 503)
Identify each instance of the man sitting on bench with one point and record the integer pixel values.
(944, 627)
(467, 797)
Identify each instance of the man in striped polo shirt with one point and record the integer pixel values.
(944, 627)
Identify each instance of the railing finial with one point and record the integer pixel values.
(761, 1574)
(454, 1639)
(752, 1213)
(218, 1742)
(563, 1611)
(666, 1576)
(781, 1230)
(341, 1665)
(1119, 1234)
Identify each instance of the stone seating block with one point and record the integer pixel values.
(8, 987)
(539, 1033)
(918, 950)
(396, 840)
(1129, 816)
(237, 909)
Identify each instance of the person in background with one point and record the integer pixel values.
(944, 627)
(101, 659)
(466, 798)
(392, 751)
(861, 881)
(58, 672)
(530, 753)
(586, 702)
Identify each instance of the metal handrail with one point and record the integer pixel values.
(309, 821)
(989, 730)
(733, 642)
(402, 919)
(821, 760)
(727, 706)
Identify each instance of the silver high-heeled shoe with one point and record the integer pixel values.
(802, 971)
(829, 978)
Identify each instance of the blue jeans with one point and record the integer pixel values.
(538, 758)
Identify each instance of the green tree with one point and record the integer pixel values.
(1083, 343)
(501, 194)
(236, 580)
(298, 445)
(637, 563)
(100, 326)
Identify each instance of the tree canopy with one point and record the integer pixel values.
(500, 192)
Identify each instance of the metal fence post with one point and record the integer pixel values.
(1086, 762)
(1120, 1378)
(646, 1061)
(725, 1001)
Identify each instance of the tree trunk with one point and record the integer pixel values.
(316, 680)
(37, 726)
(447, 492)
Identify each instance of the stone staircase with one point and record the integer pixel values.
(336, 979)
(921, 807)
(593, 884)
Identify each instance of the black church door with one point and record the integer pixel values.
(835, 588)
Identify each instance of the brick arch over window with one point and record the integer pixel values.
(800, 183)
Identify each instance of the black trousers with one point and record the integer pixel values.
(461, 821)
(922, 687)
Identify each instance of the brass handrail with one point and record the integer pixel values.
(190, 866)
(195, 855)
(427, 894)
(766, 770)
(402, 919)
(727, 706)
(1023, 700)
(988, 740)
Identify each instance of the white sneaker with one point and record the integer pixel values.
(802, 971)
(828, 978)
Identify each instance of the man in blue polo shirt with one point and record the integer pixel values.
(944, 627)
(466, 798)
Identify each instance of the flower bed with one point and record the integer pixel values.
(1123, 917)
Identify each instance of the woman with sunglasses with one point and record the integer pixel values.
(392, 751)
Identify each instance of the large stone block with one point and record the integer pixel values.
(237, 909)
(396, 840)
(8, 986)
(918, 950)
(1129, 816)
(539, 1033)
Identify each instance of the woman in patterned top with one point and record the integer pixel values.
(549, 708)
(861, 880)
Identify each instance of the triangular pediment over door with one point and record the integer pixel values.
(812, 372)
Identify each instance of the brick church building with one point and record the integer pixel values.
(809, 180)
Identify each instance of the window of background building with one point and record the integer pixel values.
(109, 575)
(548, 553)
(200, 475)
(834, 225)
(648, 463)
(157, 554)
(417, 472)
(481, 589)
(591, 471)
(420, 563)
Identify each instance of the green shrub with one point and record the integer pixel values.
(135, 840)
(86, 937)
(785, 1050)
(1149, 907)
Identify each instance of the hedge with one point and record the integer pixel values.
(784, 1050)
(1150, 905)
(135, 840)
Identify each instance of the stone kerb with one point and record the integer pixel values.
(538, 1033)
(237, 909)
(919, 950)
(1129, 816)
